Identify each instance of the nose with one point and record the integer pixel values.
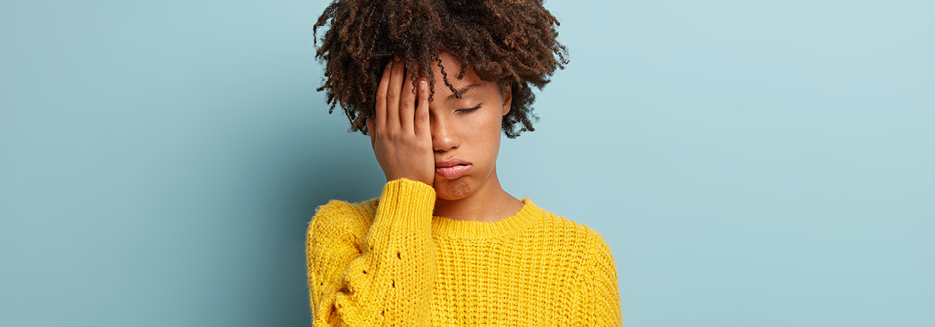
(444, 135)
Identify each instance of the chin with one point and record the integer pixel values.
(453, 190)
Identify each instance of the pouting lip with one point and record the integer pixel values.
(451, 163)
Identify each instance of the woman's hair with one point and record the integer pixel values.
(511, 42)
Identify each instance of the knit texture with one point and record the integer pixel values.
(388, 261)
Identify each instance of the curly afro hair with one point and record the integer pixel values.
(511, 42)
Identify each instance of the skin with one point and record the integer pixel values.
(411, 135)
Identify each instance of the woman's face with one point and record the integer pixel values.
(465, 131)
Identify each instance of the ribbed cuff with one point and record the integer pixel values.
(408, 204)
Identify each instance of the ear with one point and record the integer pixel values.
(507, 98)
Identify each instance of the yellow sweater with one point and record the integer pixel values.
(389, 261)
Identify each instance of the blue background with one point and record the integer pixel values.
(750, 163)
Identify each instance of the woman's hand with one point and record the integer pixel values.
(400, 134)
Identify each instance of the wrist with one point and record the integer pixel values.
(408, 179)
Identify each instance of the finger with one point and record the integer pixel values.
(407, 104)
(392, 94)
(381, 96)
(371, 131)
(422, 110)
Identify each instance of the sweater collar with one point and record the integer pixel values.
(447, 227)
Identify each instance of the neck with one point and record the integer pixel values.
(489, 203)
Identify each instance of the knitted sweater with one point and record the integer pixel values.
(389, 261)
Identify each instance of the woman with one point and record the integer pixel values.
(433, 83)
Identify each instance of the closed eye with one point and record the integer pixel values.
(466, 110)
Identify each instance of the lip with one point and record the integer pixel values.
(451, 163)
(453, 168)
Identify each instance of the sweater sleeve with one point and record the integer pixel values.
(385, 278)
(602, 305)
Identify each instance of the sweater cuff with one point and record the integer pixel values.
(407, 203)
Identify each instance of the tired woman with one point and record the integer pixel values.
(435, 84)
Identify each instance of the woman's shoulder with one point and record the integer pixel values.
(339, 217)
(570, 232)
(564, 225)
(340, 208)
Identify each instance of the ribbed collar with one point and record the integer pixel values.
(447, 227)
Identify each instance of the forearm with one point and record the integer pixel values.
(392, 278)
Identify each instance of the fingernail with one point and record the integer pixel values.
(396, 58)
(421, 85)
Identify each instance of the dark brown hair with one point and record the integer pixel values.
(511, 42)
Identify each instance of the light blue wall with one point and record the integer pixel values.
(751, 163)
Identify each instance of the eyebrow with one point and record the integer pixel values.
(461, 92)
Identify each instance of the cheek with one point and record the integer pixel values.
(484, 132)
(489, 123)
(488, 138)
